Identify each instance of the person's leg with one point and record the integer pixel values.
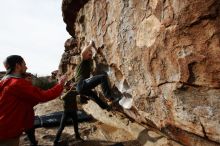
(94, 81)
(31, 136)
(74, 116)
(62, 125)
(94, 96)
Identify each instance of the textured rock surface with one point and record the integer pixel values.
(143, 134)
(163, 53)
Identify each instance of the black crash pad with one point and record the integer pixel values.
(53, 119)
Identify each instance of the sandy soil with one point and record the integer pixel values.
(94, 132)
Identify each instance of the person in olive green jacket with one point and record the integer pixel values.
(70, 111)
(85, 83)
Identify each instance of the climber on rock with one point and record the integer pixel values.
(85, 83)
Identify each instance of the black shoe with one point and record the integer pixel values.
(116, 100)
(109, 108)
(60, 143)
(78, 138)
(56, 143)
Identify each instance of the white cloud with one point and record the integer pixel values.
(35, 30)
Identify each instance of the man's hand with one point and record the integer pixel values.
(62, 80)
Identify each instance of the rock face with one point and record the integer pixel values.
(165, 54)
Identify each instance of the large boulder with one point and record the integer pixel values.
(163, 54)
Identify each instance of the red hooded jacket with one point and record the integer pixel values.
(17, 99)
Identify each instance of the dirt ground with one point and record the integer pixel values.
(94, 133)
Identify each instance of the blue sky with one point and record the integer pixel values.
(35, 30)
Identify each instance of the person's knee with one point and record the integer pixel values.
(104, 76)
(79, 90)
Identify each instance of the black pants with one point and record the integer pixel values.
(68, 114)
(85, 87)
(31, 136)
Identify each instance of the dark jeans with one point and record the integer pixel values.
(72, 114)
(85, 87)
(31, 136)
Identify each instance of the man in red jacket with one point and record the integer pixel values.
(17, 99)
